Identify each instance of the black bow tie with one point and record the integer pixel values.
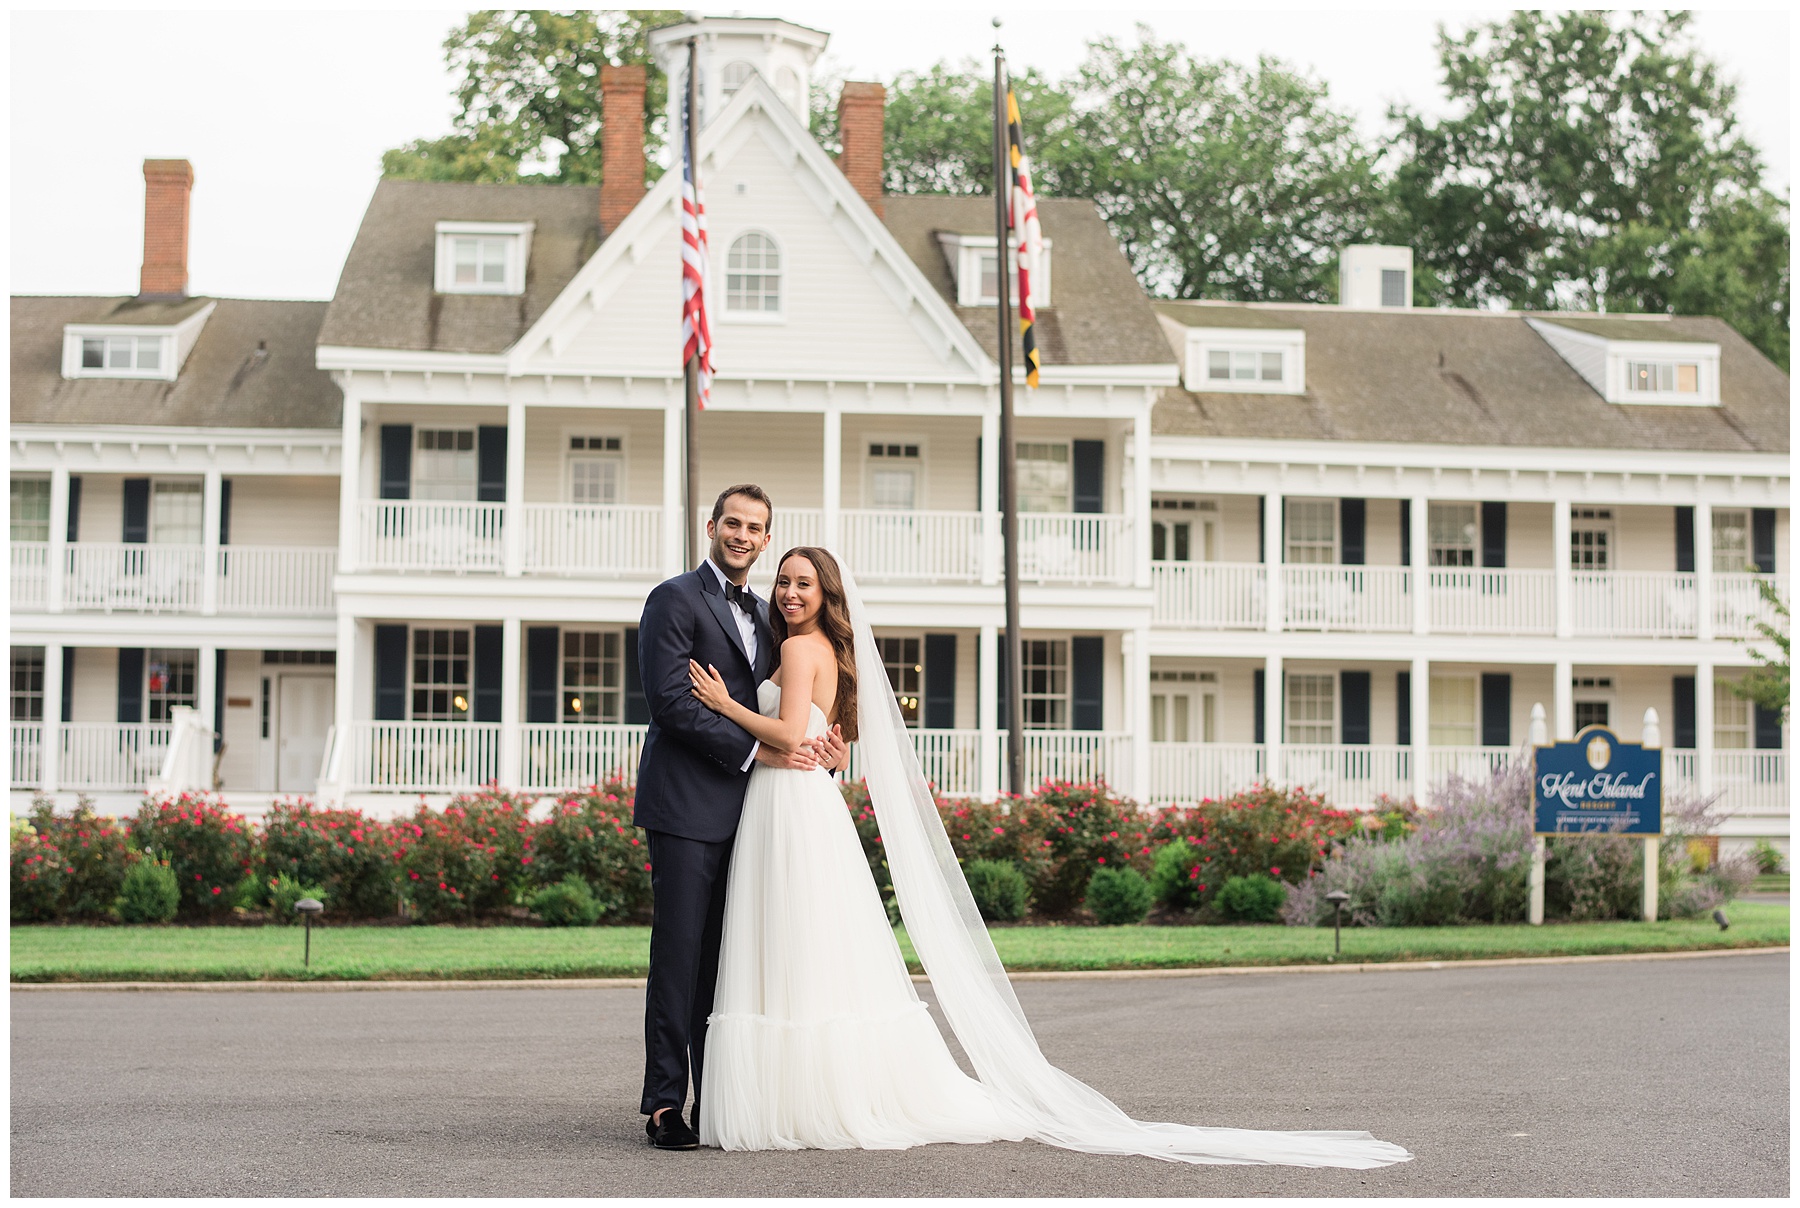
(741, 597)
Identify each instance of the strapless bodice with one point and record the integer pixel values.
(768, 703)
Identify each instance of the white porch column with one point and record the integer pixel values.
(1273, 590)
(1419, 552)
(1140, 499)
(344, 712)
(1135, 645)
(1561, 529)
(350, 491)
(674, 502)
(512, 516)
(50, 753)
(206, 699)
(57, 554)
(834, 479)
(212, 508)
(1703, 570)
(511, 738)
(1563, 696)
(1273, 694)
(1704, 686)
(1420, 705)
(987, 709)
(989, 502)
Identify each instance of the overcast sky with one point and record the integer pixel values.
(285, 114)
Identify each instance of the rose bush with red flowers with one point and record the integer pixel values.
(589, 835)
(206, 845)
(349, 856)
(66, 866)
(445, 875)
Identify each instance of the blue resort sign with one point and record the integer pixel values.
(1598, 784)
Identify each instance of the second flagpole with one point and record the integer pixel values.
(1013, 673)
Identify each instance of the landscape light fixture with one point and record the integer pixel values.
(1721, 920)
(1337, 898)
(307, 908)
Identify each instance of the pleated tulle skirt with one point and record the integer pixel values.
(817, 1038)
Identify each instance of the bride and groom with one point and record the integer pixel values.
(775, 977)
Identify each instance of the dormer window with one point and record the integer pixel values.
(482, 257)
(1625, 362)
(140, 352)
(973, 262)
(1248, 360)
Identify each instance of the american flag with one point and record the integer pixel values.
(696, 333)
(1023, 220)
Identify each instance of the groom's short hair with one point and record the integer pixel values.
(750, 491)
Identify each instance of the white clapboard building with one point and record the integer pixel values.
(397, 544)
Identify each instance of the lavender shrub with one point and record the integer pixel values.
(1469, 861)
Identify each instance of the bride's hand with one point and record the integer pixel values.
(709, 688)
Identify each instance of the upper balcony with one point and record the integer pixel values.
(1606, 586)
(270, 581)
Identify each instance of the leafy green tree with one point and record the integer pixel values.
(1220, 180)
(530, 96)
(1766, 685)
(1593, 160)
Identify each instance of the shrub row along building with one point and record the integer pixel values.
(397, 543)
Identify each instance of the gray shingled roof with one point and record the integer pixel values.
(386, 296)
(1471, 378)
(253, 366)
(1098, 313)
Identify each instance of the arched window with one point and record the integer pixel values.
(736, 75)
(753, 275)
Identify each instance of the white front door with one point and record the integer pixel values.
(306, 706)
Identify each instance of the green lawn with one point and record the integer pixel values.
(1771, 882)
(48, 953)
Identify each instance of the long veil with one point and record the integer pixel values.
(977, 998)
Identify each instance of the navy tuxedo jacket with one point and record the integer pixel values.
(690, 781)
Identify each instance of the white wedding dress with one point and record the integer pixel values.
(817, 1038)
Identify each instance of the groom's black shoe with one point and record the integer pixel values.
(671, 1131)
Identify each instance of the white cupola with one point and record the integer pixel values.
(730, 50)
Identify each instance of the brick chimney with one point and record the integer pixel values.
(167, 185)
(621, 144)
(861, 108)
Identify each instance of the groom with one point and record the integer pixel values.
(690, 790)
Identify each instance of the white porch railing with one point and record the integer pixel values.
(416, 534)
(187, 764)
(275, 580)
(1471, 600)
(112, 755)
(1647, 604)
(951, 760)
(1751, 783)
(1349, 776)
(1347, 598)
(1738, 605)
(1470, 763)
(1077, 755)
(1210, 595)
(1086, 547)
(1199, 771)
(560, 757)
(30, 575)
(913, 547)
(418, 756)
(589, 539)
(27, 754)
(134, 577)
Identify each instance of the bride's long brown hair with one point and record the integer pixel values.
(834, 623)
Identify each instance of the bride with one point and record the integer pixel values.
(817, 1038)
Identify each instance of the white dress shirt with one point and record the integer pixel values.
(746, 624)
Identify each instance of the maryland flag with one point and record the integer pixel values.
(1022, 220)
